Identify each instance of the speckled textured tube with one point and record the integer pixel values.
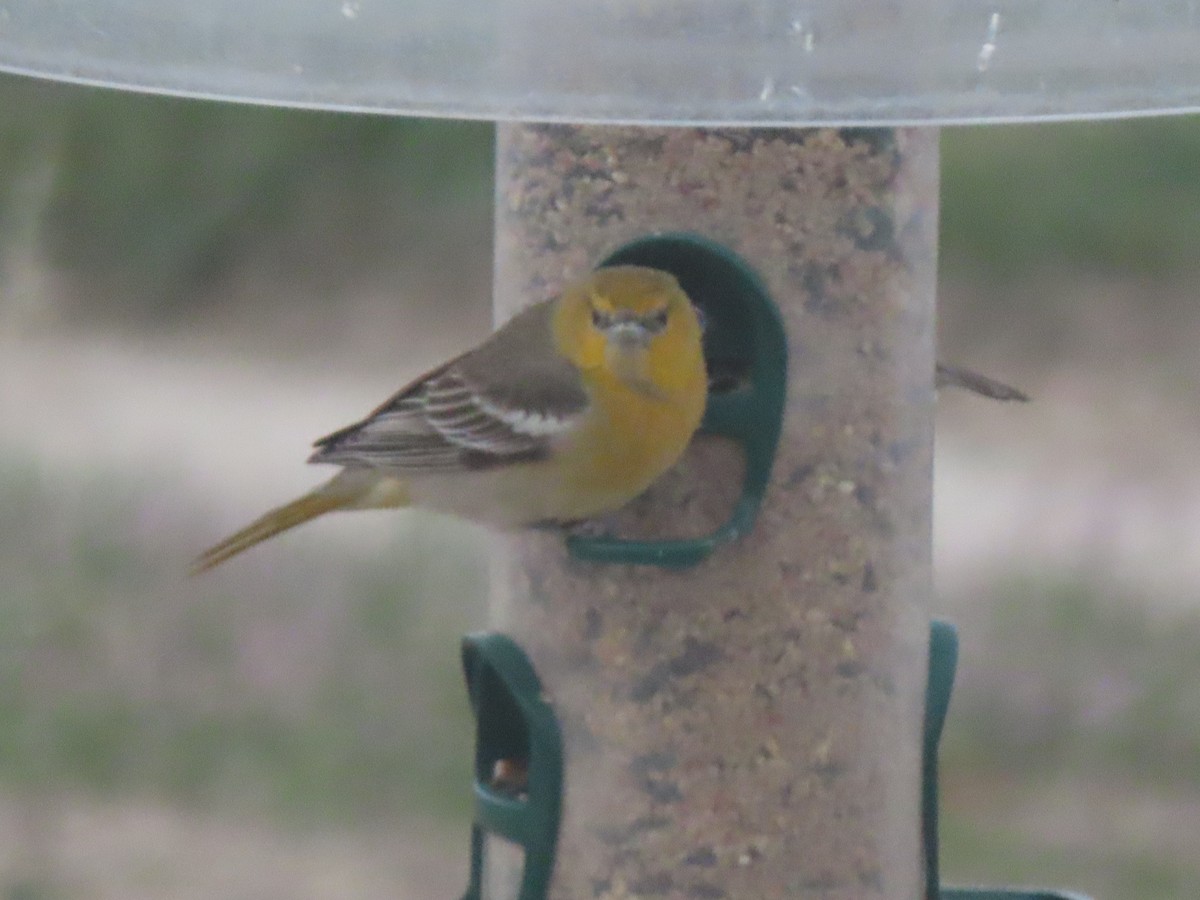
(749, 728)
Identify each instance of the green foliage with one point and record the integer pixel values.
(1107, 196)
(996, 848)
(1071, 674)
(155, 199)
(116, 680)
(1075, 708)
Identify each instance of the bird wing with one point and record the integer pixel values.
(506, 401)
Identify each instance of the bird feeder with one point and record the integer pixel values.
(721, 693)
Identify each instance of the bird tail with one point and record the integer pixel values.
(340, 492)
(955, 376)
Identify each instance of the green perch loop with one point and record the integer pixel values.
(513, 723)
(745, 348)
(943, 659)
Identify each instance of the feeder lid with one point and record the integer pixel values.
(748, 62)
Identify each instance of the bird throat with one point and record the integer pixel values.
(631, 367)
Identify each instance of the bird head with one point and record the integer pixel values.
(634, 321)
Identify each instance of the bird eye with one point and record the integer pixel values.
(657, 321)
(601, 320)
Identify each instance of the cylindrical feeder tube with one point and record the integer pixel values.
(749, 727)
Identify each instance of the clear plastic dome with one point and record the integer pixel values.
(666, 61)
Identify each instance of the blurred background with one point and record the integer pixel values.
(191, 292)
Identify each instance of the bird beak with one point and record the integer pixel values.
(629, 335)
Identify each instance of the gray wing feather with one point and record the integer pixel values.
(505, 401)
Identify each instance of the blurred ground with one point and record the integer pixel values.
(192, 293)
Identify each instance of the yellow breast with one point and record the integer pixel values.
(629, 439)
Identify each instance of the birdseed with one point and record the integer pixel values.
(751, 727)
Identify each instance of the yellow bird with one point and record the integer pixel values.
(567, 412)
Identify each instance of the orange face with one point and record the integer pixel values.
(634, 321)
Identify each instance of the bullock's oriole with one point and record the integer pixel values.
(567, 412)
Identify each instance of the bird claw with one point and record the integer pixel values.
(602, 526)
